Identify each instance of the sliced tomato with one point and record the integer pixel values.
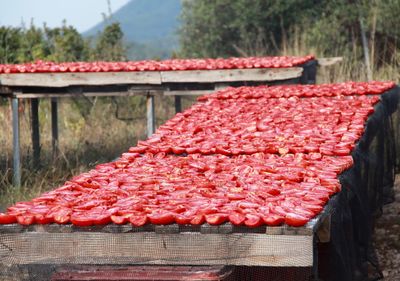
(295, 219)
(272, 219)
(161, 218)
(138, 220)
(216, 219)
(236, 218)
(7, 219)
(26, 219)
(253, 220)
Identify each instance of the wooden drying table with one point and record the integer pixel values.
(33, 86)
(65, 246)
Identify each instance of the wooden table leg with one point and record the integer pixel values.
(16, 143)
(54, 126)
(35, 132)
(178, 104)
(150, 115)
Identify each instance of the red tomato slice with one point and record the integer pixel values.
(273, 219)
(198, 219)
(236, 218)
(119, 219)
(7, 219)
(216, 219)
(26, 219)
(81, 220)
(295, 219)
(253, 220)
(161, 218)
(138, 220)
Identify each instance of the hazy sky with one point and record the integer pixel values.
(82, 14)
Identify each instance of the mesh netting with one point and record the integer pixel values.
(367, 186)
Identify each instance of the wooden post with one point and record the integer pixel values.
(16, 143)
(54, 126)
(178, 104)
(35, 132)
(366, 50)
(150, 114)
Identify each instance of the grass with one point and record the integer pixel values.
(85, 140)
(90, 133)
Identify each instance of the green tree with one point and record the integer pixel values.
(9, 42)
(226, 28)
(66, 44)
(109, 45)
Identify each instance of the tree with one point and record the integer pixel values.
(66, 44)
(9, 42)
(109, 46)
(226, 28)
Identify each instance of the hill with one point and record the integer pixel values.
(150, 27)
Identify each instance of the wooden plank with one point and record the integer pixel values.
(329, 61)
(247, 249)
(79, 78)
(88, 94)
(230, 75)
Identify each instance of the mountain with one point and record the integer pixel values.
(149, 26)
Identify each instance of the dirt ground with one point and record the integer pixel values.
(387, 238)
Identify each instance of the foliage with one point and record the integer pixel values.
(60, 44)
(257, 27)
(109, 46)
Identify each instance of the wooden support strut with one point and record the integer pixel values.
(16, 143)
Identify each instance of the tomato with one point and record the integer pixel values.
(295, 219)
(26, 219)
(216, 219)
(253, 220)
(236, 218)
(161, 218)
(138, 220)
(273, 219)
(7, 219)
(119, 219)
(43, 219)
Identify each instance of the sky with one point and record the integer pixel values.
(82, 14)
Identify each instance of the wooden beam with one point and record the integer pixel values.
(230, 75)
(79, 78)
(186, 248)
(329, 61)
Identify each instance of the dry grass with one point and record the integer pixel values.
(84, 141)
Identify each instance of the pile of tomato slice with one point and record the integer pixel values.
(328, 125)
(286, 91)
(152, 65)
(249, 190)
(238, 156)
